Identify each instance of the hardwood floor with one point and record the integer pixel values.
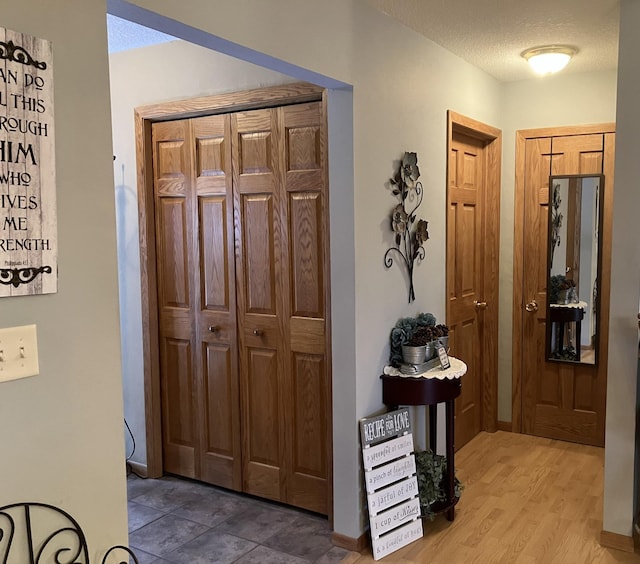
(526, 500)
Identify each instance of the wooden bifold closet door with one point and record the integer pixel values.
(241, 215)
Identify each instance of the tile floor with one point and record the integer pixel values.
(181, 521)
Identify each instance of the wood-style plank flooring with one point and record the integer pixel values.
(526, 500)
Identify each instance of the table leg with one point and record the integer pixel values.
(433, 417)
(451, 472)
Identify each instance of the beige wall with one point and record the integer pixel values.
(621, 467)
(61, 432)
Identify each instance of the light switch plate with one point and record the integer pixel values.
(18, 352)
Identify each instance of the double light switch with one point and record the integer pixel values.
(18, 352)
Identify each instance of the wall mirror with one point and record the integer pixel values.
(574, 258)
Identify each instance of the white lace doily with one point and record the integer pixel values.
(581, 305)
(456, 370)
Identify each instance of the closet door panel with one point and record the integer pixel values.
(214, 255)
(258, 250)
(305, 304)
(307, 276)
(309, 461)
(177, 394)
(174, 241)
(263, 435)
(259, 284)
(218, 395)
(174, 269)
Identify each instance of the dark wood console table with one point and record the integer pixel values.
(430, 391)
(563, 314)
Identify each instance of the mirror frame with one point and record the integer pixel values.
(596, 305)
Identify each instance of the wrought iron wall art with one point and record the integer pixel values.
(17, 276)
(9, 51)
(410, 235)
(556, 220)
(49, 534)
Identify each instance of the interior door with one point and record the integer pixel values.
(559, 400)
(473, 249)
(465, 270)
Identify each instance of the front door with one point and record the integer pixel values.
(560, 400)
(472, 259)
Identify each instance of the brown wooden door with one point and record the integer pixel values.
(465, 256)
(174, 240)
(218, 391)
(196, 296)
(259, 285)
(473, 248)
(279, 159)
(559, 400)
(306, 304)
(229, 249)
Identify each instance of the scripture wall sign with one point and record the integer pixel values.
(28, 221)
(391, 482)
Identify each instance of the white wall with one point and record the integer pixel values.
(61, 432)
(569, 99)
(625, 273)
(169, 71)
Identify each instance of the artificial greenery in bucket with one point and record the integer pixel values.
(430, 471)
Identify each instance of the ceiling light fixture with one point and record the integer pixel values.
(549, 59)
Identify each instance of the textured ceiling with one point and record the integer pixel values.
(123, 35)
(491, 34)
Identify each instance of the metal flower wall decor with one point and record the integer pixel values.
(556, 220)
(410, 235)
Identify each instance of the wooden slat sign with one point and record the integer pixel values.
(390, 481)
(28, 217)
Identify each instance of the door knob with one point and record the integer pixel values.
(480, 305)
(213, 328)
(257, 332)
(532, 306)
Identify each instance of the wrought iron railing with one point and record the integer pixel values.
(49, 535)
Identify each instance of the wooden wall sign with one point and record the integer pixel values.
(28, 219)
(390, 481)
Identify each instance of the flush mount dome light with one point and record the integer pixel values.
(550, 59)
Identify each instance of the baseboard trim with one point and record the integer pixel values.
(617, 541)
(138, 468)
(350, 543)
(504, 426)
